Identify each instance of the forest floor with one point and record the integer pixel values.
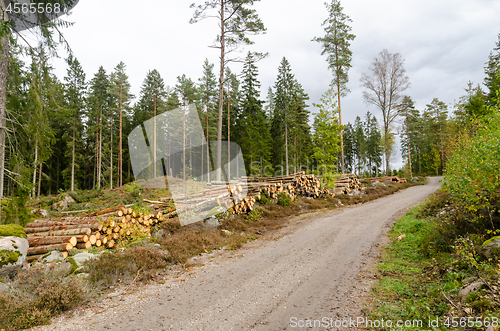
(308, 267)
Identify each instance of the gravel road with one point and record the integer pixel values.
(317, 268)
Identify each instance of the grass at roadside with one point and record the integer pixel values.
(422, 272)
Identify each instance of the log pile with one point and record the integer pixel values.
(394, 179)
(95, 230)
(345, 183)
(124, 225)
(63, 234)
(294, 185)
(85, 232)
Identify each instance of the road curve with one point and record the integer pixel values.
(312, 273)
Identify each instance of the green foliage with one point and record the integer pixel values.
(264, 198)
(16, 211)
(284, 199)
(134, 189)
(326, 129)
(253, 216)
(473, 172)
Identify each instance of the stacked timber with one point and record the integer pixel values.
(126, 224)
(64, 234)
(394, 179)
(294, 185)
(85, 232)
(345, 183)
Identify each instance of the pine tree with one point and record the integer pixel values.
(360, 144)
(349, 148)
(236, 21)
(409, 132)
(188, 94)
(75, 94)
(120, 91)
(336, 43)
(207, 87)
(435, 118)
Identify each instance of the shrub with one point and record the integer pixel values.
(136, 262)
(473, 172)
(284, 199)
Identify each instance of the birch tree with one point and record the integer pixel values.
(384, 86)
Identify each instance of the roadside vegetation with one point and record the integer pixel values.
(444, 258)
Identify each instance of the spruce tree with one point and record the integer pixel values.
(151, 103)
(255, 139)
(98, 103)
(492, 71)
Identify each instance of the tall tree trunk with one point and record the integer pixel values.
(221, 94)
(154, 139)
(4, 60)
(120, 166)
(208, 150)
(73, 161)
(286, 145)
(111, 160)
(35, 168)
(409, 154)
(228, 132)
(340, 112)
(39, 180)
(184, 140)
(99, 152)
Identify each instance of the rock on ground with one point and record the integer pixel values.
(13, 251)
(473, 287)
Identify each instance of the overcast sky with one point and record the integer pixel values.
(445, 43)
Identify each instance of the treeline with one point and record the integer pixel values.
(70, 133)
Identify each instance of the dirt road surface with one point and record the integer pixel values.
(318, 268)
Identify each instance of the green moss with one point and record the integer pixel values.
(8, 257)
(13, 230)
(74, 266)
(489, 241)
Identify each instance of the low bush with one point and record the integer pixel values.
(136, 262)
